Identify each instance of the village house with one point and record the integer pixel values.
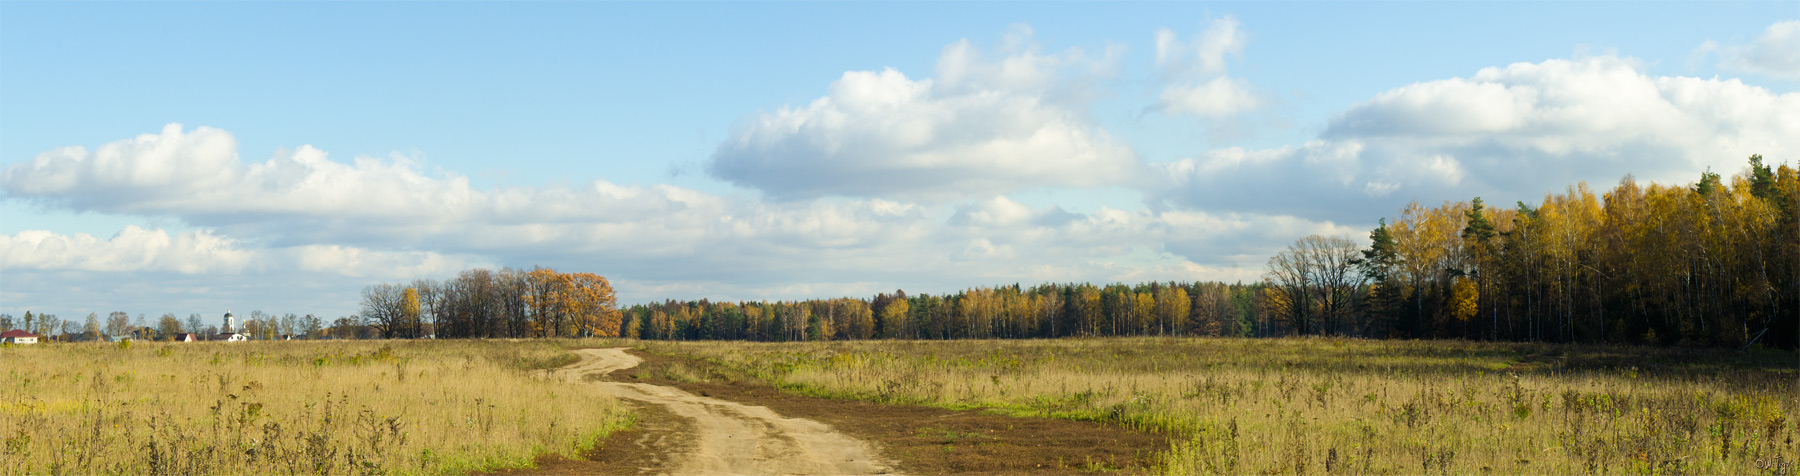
(187, 337)
(18, 337)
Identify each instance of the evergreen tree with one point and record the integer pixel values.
(1378, 264)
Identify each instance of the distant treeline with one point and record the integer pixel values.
(1709, 264)
(1006, 312)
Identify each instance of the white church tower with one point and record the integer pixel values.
(230, 323)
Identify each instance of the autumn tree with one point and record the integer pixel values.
(118, 323)
(168, 326)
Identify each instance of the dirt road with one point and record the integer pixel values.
(733, 438)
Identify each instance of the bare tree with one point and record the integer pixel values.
(431, 304)
(383, 307)
(1313, 284)
(1334, 264)
(290, 324)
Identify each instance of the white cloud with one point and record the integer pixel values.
(1205, 56)
(137, 250)
(302, 211)
(132, 249)
(148, 169)
(1776, 52)
(1194, 73)
(337, 226)
(1508, 133)
(981, 127)
(1219, 97)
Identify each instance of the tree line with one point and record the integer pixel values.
(1710, 263)
(1004, 312)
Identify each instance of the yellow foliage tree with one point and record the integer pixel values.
(409, 309)
(1464, 299)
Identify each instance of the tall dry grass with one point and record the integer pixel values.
(1332, 406)
(333, 407)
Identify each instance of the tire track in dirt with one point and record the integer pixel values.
(732, 438)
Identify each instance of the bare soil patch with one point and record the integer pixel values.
(928, 440)
(913, 439)
(642, 449)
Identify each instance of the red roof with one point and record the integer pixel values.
(16, 333)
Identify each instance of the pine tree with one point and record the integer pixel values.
(1378, 263)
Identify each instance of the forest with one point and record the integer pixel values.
(1711, 263)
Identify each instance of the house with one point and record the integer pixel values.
(19, 337)
(187, 337)
(232, 337)
(120, 337)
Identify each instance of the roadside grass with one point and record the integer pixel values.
(333, 407)
(1338, 406)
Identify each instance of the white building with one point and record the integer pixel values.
(19, 337)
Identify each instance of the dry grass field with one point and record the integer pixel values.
(332, 407)
(1335, 406)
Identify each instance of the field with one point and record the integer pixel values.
(1335, 406)
(334, 407)
(1232, 406)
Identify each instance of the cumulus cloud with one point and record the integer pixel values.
(1775, 52)
(1205, 54)
(301, 211)
(302, 197)
(980, 127)
(1508, 133)
(132, 249)
(135, 250)
(1194, 72)
(1219, 97)
(146, 170)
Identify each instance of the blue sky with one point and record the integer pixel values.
(791, 150)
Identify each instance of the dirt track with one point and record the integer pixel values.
(733, 438)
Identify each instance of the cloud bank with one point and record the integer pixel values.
(384, 219)
(980, 127)
(1513, 131)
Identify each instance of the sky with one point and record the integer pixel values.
(193, 157)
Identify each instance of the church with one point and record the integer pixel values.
(229, 333)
